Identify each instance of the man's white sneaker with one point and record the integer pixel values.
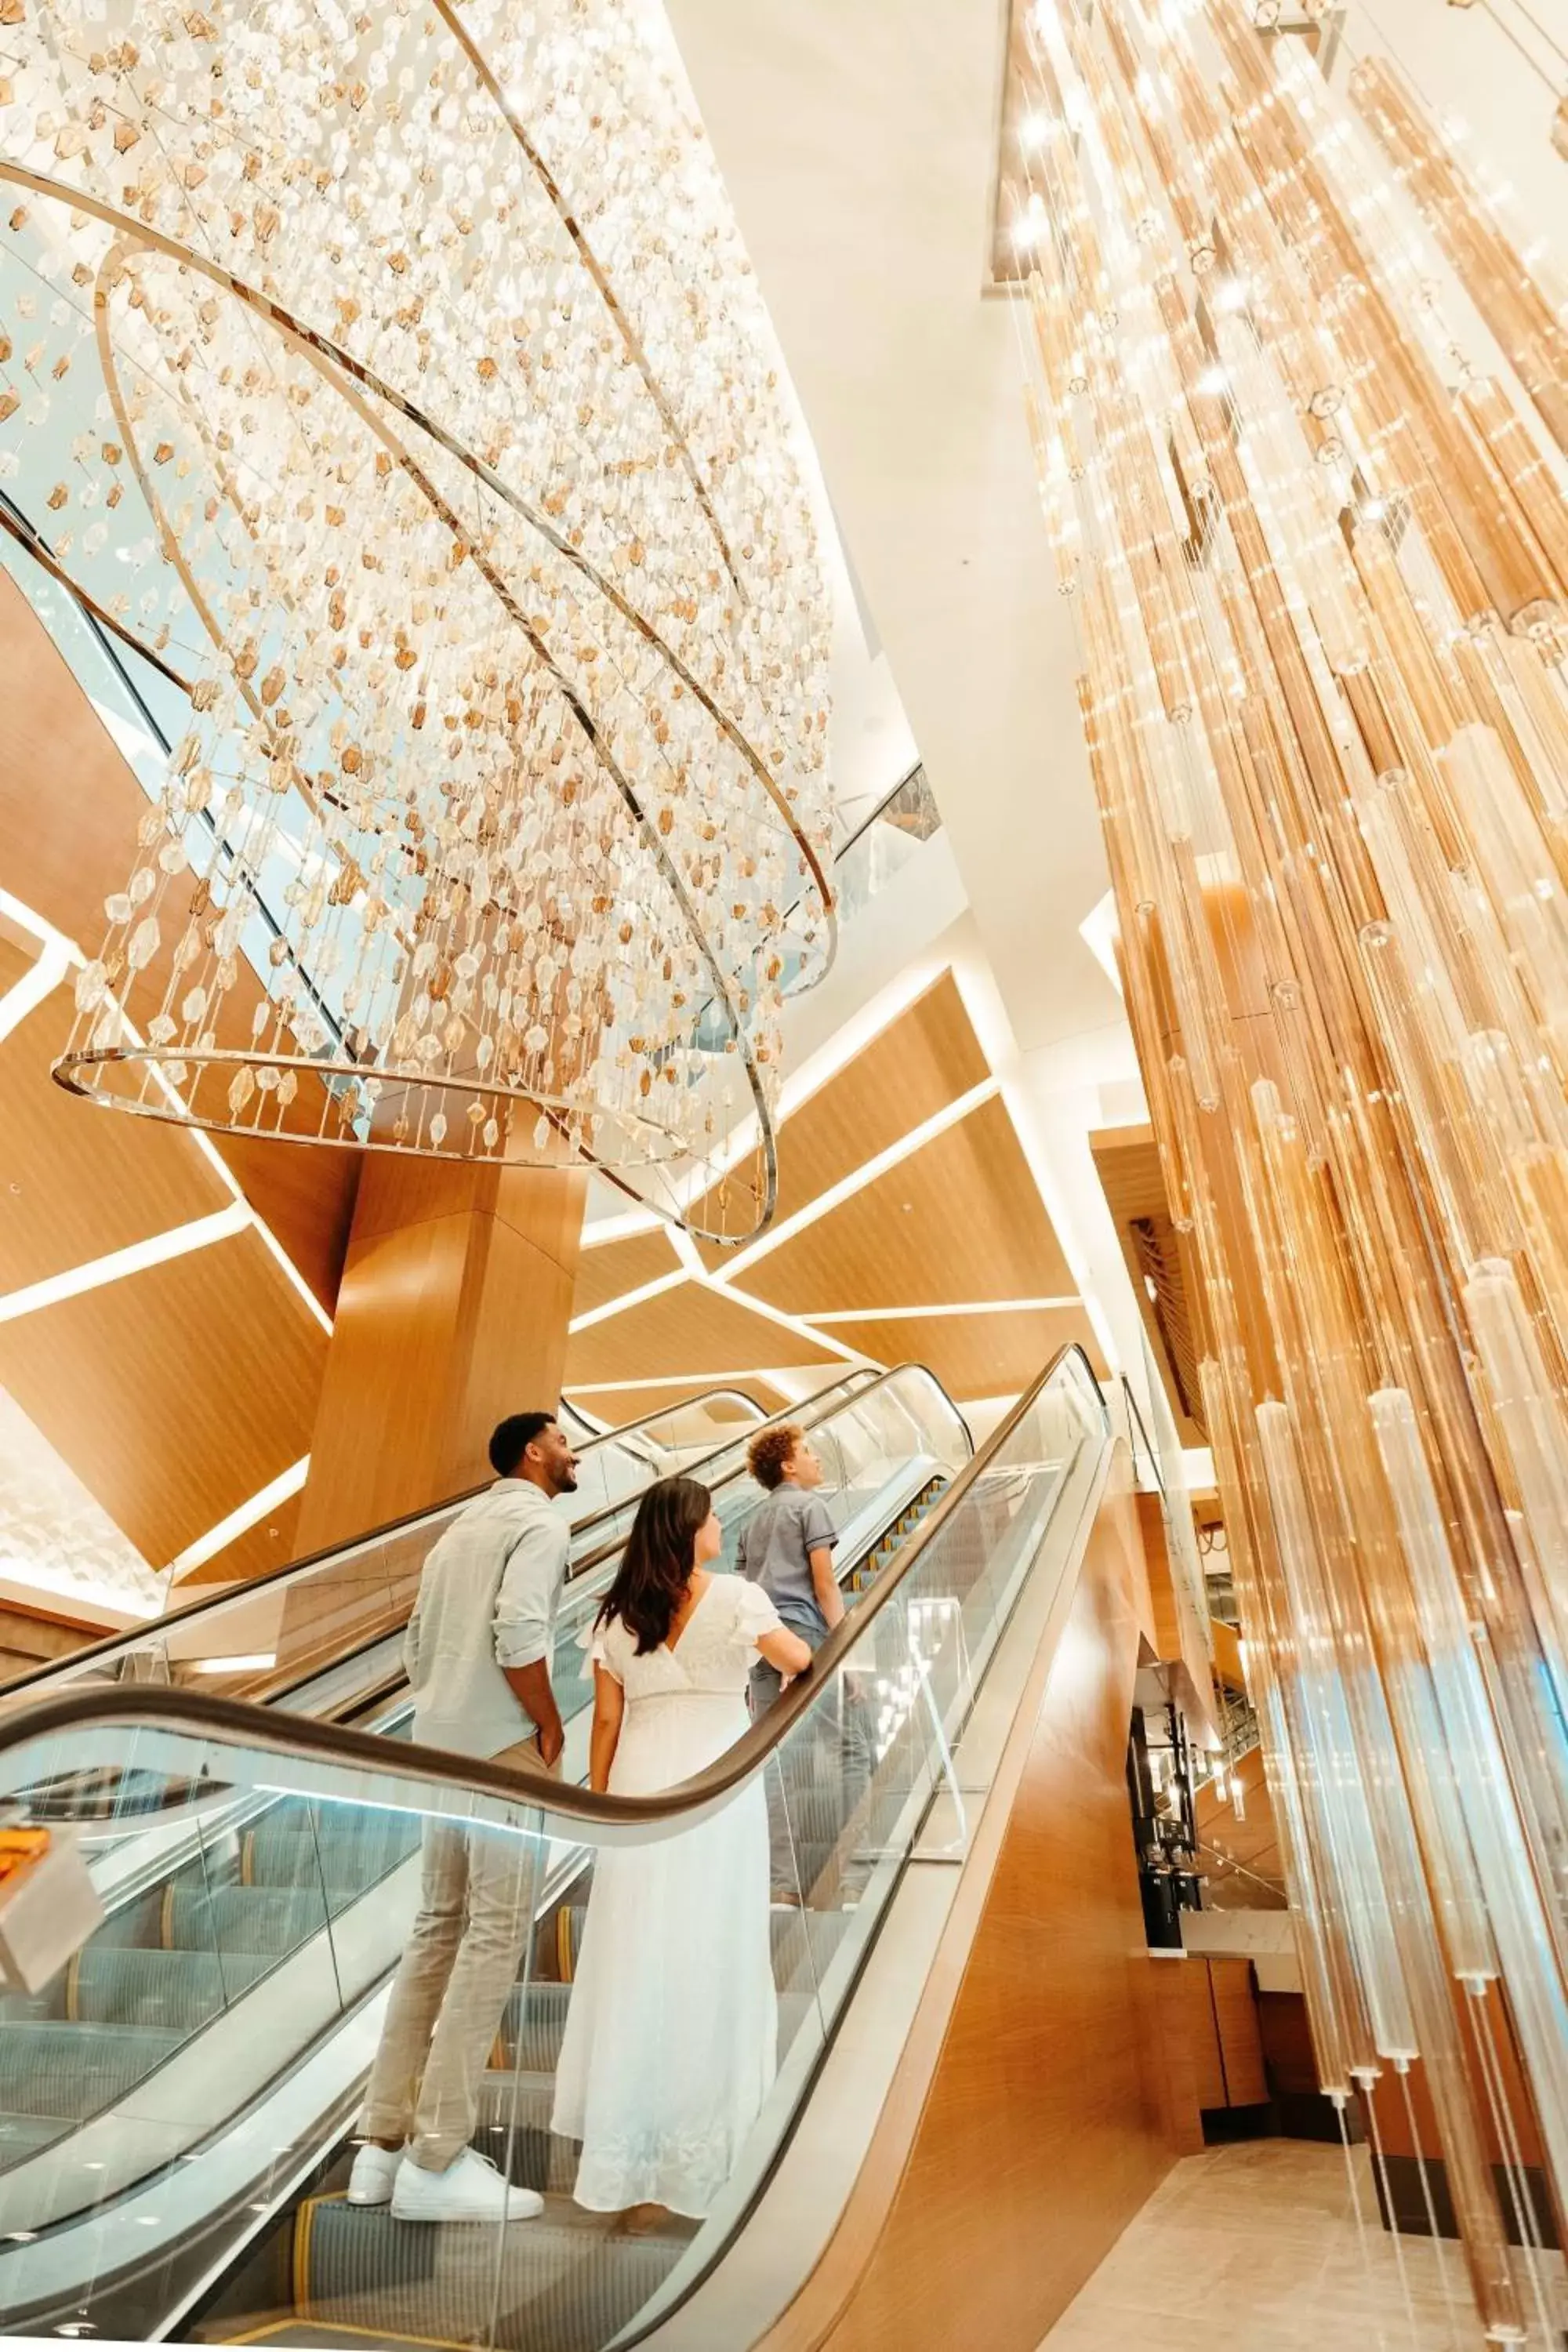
(471, 2190)
(374, 2171)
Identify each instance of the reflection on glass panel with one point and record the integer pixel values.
(222, 2007)
(885, 845)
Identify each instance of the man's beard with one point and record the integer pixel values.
(569, 1483)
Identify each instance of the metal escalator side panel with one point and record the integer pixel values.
(257, 1751)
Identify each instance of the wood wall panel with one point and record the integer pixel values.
(976, 1355)
(16, 957)
(270, 1543)
(616, 1406)
(1185, 2061)
(616, 1268)
(689, 1329)
(1251, 1840)
(306, 1195)
(66, 849)
(1178, 1635)
(27, 1643)
(960, 1219)
(994, 2187)
(456, 1295)
(922, 1061)
(81, 1182)
(174, 1394)
(1240, 2037)
(1229, 1663)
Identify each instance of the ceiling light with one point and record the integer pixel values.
(243, 1662)
(1213, 380)
(178, 1240)
(627, 1298)
(1032, 132)
(244, 1516)
(858, 1178)
(969, 1306)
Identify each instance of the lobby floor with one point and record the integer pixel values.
(1254, 2248)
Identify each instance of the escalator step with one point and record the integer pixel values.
(282, 1854)
(565, 2285)
(249, 1918)
(175, 1989)
(533, 2025)
(513, 2130)
(136, 1925)
(116, 1985)
(74, 2070)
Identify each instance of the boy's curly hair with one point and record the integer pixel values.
(770, 1450)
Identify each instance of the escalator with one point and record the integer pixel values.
(323, 1636)
(200, 2058)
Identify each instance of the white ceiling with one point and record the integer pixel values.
(858, 143)
(859, 146)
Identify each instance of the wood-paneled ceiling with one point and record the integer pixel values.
(907, 1074)
(176, 1391)
(909, 1227)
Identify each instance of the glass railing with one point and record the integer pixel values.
(878, 850)
(864, 863)
(272, 1638)
(222, 1895)
(324, 1637)
(234, 2006)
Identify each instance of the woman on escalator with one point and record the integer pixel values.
(670, 2037)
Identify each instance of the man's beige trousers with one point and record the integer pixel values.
(476, 1911)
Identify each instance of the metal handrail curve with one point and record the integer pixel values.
(263, 1731)
(801, 1415)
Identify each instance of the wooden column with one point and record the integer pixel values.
(456, 1296)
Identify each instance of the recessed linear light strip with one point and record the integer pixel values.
(58, 946)
(794, 1323)
(178, 1240)
(41, 978)
(973, 1307)
(982, 1001)
(241, 1519)
(845, 1190)
(627, 1298)
(857, 1181)
(702, 1280)
(862, 1029)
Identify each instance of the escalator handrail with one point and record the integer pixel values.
(828, 1403)
(819, 1411)
(263, 1730)
(224, 1596)
(801, 1415)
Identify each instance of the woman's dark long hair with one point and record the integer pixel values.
(655, 1566)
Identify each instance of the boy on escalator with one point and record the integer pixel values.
(786, 1546)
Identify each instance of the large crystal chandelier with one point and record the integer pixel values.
(1312, 519)
(433, 430)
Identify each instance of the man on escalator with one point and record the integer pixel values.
(786, 1546)
(478, 1657)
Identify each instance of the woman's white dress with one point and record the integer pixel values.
(670, 2042)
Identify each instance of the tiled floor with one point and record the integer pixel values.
(1255, 2249)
